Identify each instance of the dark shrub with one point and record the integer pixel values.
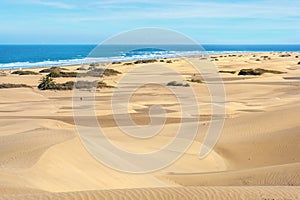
(145, 61)
(25, 73)
(298, 63)
(81, 69)
(111, 72)
(48, 70)
(169, 61)
(9, 85)
(228, 72)
(101, 72)
(128, 64)
(56, 73)
(175, 83)
(47, 83)
(195, 81)
(115, 63)
(257, 72)
(285, 55)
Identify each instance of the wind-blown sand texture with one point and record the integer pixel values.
(257, 156)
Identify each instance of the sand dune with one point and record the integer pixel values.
(256, 157)
(217, 193)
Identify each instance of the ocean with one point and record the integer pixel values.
(28, 56)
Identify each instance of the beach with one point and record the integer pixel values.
(256, 156)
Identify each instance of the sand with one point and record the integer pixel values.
(256, 157)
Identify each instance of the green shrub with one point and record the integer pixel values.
(56, 73)
(25, 73)
(9, 85)
(47, 83)
(257, 72)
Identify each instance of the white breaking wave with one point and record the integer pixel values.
(123, 58)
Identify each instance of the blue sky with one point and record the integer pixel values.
(91, 21)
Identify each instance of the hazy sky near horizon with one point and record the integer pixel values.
(92, 21)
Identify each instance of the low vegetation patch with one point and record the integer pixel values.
(47, 83)
(195, 81)
(9, 85)
(145, 61)
(177, 84)
(58, 73)
(116, 63)
(128, 64)
(257, 72)
(227, 72)
(94, 65)
(81, 69)
(24, 72)
(49, 70)
(285, 55)
(298, 63)
(101, 72)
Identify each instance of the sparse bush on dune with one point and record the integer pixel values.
(101, 72)
(90, 85)
(48, 70)
(145, 61)
(56, 73)
(285, 55)
(296, 56)
(94, 65)
(24, 72)
(298, 63)
(9, 85)
(228, 72)
(47, 83)
(111, 72)
(195, 81)
(177, 84)
(265, 57)
(116, 63)
(169, 61)
(128, 64)
(81, 69)
(257, 72)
